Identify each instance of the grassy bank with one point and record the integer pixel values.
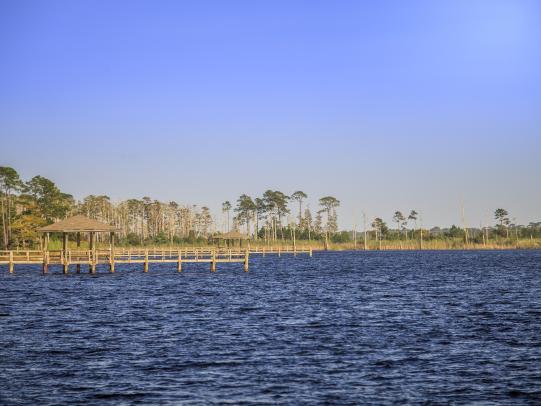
(373, 245)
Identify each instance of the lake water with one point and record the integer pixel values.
(341, 327)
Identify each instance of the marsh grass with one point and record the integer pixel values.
(372, 245)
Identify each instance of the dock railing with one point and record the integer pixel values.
(92, 258)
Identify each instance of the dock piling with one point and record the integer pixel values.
(65, 262)
(11, 264)
(246, 257)
(45, 262)
(112, 262)
(91, 254)
(78, 247)
(93, 265)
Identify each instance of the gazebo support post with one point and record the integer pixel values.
(65, 261)
(92, 253)
(77, 225)
(78, 246)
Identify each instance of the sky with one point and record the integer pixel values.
(386, 105)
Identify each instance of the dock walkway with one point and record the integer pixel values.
(111, 257)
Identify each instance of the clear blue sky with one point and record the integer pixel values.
(384, 104)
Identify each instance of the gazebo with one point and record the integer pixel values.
(78, 224)
(230, 238)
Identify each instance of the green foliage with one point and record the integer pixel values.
(329, 205)
(299, 196)
(341, 237)
(133, 239)
(501, 216)
(454, 232)
(226, 206)
(160, 239)
(10, 183)
(52, 203)
(380, 227)
(9, 180)
(276, 202)
(245, 210)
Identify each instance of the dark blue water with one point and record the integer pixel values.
(338, 328)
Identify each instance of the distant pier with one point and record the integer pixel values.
(92, 257)
(179, 256)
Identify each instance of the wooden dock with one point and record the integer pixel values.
(92, 258)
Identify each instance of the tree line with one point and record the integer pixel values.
(274, 216)
(27, 205)
(407, 227)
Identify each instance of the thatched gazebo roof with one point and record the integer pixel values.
(78, 224)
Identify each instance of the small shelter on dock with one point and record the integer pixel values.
(230, 239)
(78, 224)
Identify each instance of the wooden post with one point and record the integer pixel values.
(145, 269)
(94, 258)
(179, 263)
(11, 264)
(65, 261)
(78, 247)
(93, 261)
(91, 253)
(246, 256)
(45, 262)
(213, 262)
(65, 265)
(112, 257)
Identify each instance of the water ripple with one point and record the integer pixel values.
(347, 328)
